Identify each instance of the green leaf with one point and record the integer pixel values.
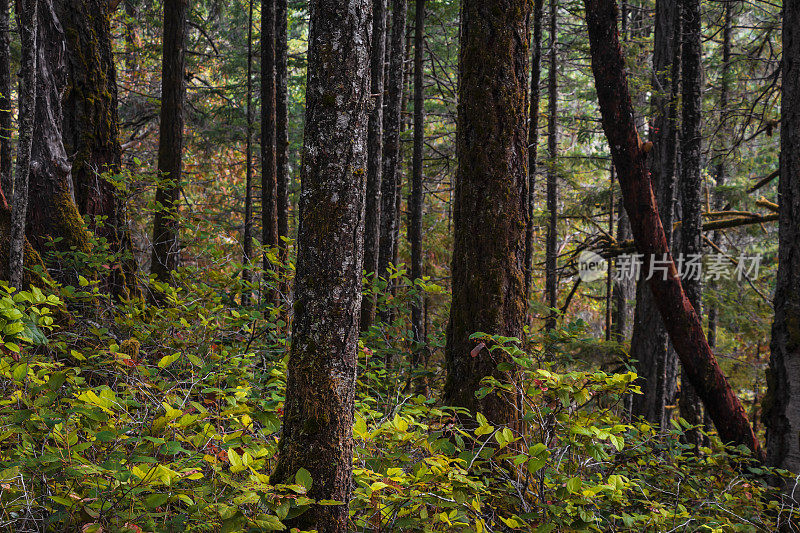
(156, 500)
(574, 484)
(303, 477)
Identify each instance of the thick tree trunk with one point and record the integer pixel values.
(282, 118)
(166, 243)
(392, 155)
(781, 406)
(269, 169)
(28, 26)
(320, 390)
(533, 137)
(417, 184)
(691, 189)
(551, 252)
(6, 175)
(491, 204)
(681, 320)
(91, 132)
(372, 219)
(656, 363)
(247, 236)
(52, 212)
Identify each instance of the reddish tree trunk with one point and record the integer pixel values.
(682, 322)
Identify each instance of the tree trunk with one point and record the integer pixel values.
(320, 389)
(781, 406)
(691, 189)
(491, 204)
(372, 219)
(533, 138)
(269, 178)
(6, 176)
(28, 25)
(392, 155)
(681, 320)
(91, 133)
(166, 244)
(721, 171)
(282, 119)
(247, 237)
(415, 206)
(656, 363)
(550, 268)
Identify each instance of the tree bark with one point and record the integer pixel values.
(691, 188)
(551, 252)
(491, 203)
(656, 363)
(392, 155)
(415, 206)
(6, 175)
(166, 243)
(269, 170)
(372, 218)
(681, 320)
(91, 133)
(282, 119)
(533, 138)
(28, 26)
(781, 406)
(247, 237)
(320, 389)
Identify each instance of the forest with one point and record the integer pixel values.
(399, 265)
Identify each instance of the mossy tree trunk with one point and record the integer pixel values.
(491, 200)
(372, 217)
(166, 242)
(91, 132)
(320, 390)
(782, 404)
(53, 213)
(682, 322)
(656, 363)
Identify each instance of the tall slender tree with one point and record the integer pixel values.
(6, 173)
(28, 26)
(247, 237)
(691, 187)
(417, 183)
(392, 155)
(166, 239)
(269, 170)
(372, 217)
(551, 252)
(320, 390)
(533, 137)
(282, 117)
(491, 203)
(781, 406)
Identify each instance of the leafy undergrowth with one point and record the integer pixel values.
(166, 418)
